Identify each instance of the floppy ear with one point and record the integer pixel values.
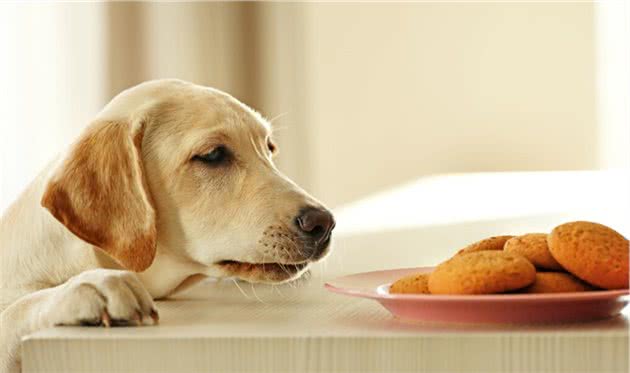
(99, 193)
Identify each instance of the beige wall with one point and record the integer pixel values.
(402, 90)
(52, 82)
(202, 42)
(613, 83)
(368, 95)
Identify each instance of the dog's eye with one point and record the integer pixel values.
(271, 146)
(218, 155)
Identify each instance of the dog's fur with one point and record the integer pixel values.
(131, 214)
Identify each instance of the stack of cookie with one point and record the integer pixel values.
(576, 256)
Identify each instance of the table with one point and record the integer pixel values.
(214, 327)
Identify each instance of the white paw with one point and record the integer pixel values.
(100, 297)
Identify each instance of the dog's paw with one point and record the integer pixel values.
(101, 297)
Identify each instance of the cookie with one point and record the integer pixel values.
(533, 246)
(482, 272)
(413, 284)
(593, 252)
(556, 282)
(492, 243)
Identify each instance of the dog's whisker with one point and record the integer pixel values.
(278, 247)
(277, 117)
(239, 288)
(255, 294)
(258, 152)
(279, 292)
(285, 269)
(306, 276)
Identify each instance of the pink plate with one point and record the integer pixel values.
(497, 308)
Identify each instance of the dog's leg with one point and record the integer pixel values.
(97, 297)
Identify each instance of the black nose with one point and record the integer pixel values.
(317, 224)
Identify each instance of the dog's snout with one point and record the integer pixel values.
(317, 224)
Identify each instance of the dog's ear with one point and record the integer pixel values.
(100, 194)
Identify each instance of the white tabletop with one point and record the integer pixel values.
(219, 327)
(215, 327)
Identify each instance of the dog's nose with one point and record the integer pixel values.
(317, 224)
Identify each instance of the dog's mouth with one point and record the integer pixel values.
(263, 272)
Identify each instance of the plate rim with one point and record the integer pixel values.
(560, 297)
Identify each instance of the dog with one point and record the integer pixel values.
(172, 182)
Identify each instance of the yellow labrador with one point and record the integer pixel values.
(170, 183)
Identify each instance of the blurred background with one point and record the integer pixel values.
(365, 97)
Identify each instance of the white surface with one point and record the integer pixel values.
(216, 328)
(457, 198)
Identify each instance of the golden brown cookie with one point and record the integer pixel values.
(482, 272)
(492, 243)
(593, 252)
(412, 284)
(533, 246)
(556, 282)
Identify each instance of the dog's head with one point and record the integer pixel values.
(188, 170)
